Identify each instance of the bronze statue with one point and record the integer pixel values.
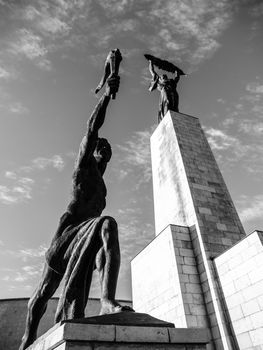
(169, 99)
(84, 240)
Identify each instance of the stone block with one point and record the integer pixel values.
(257, 336)
(76, 331)
(242, 325)
(189, 270)
(250, 307)
(203, 210)
(245, 341)
(142, 334)
(184, 335)
(236, 313)
(257, 320)
(256, 275)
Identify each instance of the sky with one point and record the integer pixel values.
(51, 60)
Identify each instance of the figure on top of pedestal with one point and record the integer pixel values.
(169, 99)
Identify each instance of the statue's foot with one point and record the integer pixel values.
(111, 307)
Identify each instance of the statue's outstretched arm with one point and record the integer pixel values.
(95, 122)
(151, 69)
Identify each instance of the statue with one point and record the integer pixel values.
(84, 240)
(169, 99)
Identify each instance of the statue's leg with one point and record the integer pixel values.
(38, 303)
(108, 264)
(74, 295)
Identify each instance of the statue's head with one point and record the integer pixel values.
(103, 150)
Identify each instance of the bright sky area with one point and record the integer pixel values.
(51, 60)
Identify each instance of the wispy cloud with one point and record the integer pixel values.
(31, 46)
(26, 254)
(21, 187)
(7, 104)
(219, 140)
(4, 74)
(29, 266)
(230, 150)
(42, 163)
(189, 31)
(25, 274)
(21, 190)
(255, 87)
(246, 114)
(44, 20)
(250, 207)
(17, 108)
(135, 156)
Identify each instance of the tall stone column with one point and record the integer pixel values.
(190, 198)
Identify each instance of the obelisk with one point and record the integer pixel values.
(195, 220)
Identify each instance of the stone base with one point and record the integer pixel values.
(240, 274)
(80, 335)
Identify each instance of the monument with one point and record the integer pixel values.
(200, 270)
(85, 240)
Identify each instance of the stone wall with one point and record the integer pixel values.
(13, 316)
(240, 272)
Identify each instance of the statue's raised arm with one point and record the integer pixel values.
(95, 122)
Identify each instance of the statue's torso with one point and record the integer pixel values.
(88, 193)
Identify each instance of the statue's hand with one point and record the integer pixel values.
(112, 85)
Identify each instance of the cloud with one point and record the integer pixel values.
(219, 140)
(10, 175)
(255, 87)
(26, 254)
(21, 188)
(230, 150)
(42, 163)
(188, 30)
(8, 105)
(135, 156)
(256, 10)
(250, 207)
(14, 108)
(251, 127)
(4, 74)
(26, 273)
(31, 46)
(17, 108)
(44, 21)
(21, 191)
(32, 252)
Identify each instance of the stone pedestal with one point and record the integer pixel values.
(120, 333)
(195, 222)
(240, 278)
